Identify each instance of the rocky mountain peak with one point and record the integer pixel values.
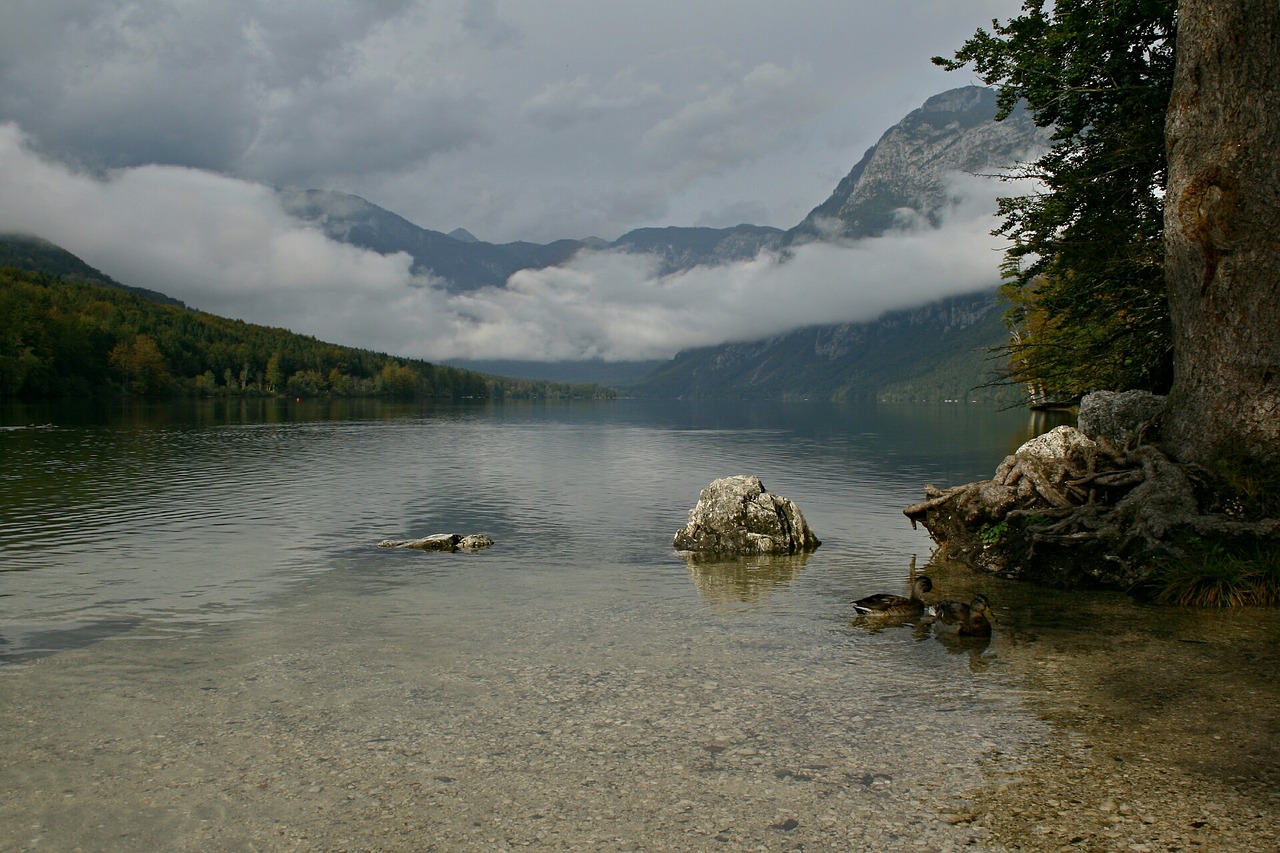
(977, 101)
(910, 168)
(906, 177)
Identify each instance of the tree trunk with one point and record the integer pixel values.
(1222, 232)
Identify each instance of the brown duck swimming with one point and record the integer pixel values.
(967, 620)
(896, 605)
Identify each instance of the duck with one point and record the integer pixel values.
(897, 605)
(966, 620)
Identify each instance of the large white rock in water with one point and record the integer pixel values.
(737, 515)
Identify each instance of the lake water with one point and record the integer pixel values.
(203, 649)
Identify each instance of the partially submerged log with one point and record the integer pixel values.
(441, 542)
(1068, 509)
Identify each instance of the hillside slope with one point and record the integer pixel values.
(68, 331)
(940, 351)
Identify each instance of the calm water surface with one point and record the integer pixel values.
(207, 650)
(171, 517)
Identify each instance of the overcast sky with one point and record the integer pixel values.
(138, 135)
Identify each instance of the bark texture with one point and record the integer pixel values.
(1222, 232)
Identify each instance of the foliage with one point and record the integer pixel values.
(75, 338)
(1220, 574)
(1088, 308)
(140, 365)
(989, 533)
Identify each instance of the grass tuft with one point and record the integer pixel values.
(1221, 575)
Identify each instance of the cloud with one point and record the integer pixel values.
(562, 104)
(481, 21)
(358, 128)
(277, 90)
(219, 244)
(226, 246)
(728, 125)
(614, 306)
(519, 121)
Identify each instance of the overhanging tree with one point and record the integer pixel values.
(1193, 516)
(1085, 268)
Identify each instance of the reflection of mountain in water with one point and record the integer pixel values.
(745, 579)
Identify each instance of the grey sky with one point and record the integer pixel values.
(516, 120)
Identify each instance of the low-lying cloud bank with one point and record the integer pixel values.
(226, 246)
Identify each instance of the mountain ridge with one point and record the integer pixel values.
(907, 170)
(903, 179)
(937, 352)
(36, 254)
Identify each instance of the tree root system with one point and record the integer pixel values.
(1067, 510)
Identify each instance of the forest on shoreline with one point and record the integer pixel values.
(65, 335)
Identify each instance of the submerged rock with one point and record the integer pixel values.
(737, 515)
(441, 542)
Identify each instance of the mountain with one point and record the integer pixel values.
(931, 352)
(940, 351)
(460, 264)
(934, 352)
(909, 168)
(36, 254)
(68, 331)
(685, 248)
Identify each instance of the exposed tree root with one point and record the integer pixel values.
(1070, 511)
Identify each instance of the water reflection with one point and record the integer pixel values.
(743, 580)
(975, 648)
(921, 626)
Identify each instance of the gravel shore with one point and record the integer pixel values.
(1164, 741)
(302, 737)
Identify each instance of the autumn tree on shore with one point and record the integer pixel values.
(140, 365)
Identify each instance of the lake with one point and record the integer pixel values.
(202, 648)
